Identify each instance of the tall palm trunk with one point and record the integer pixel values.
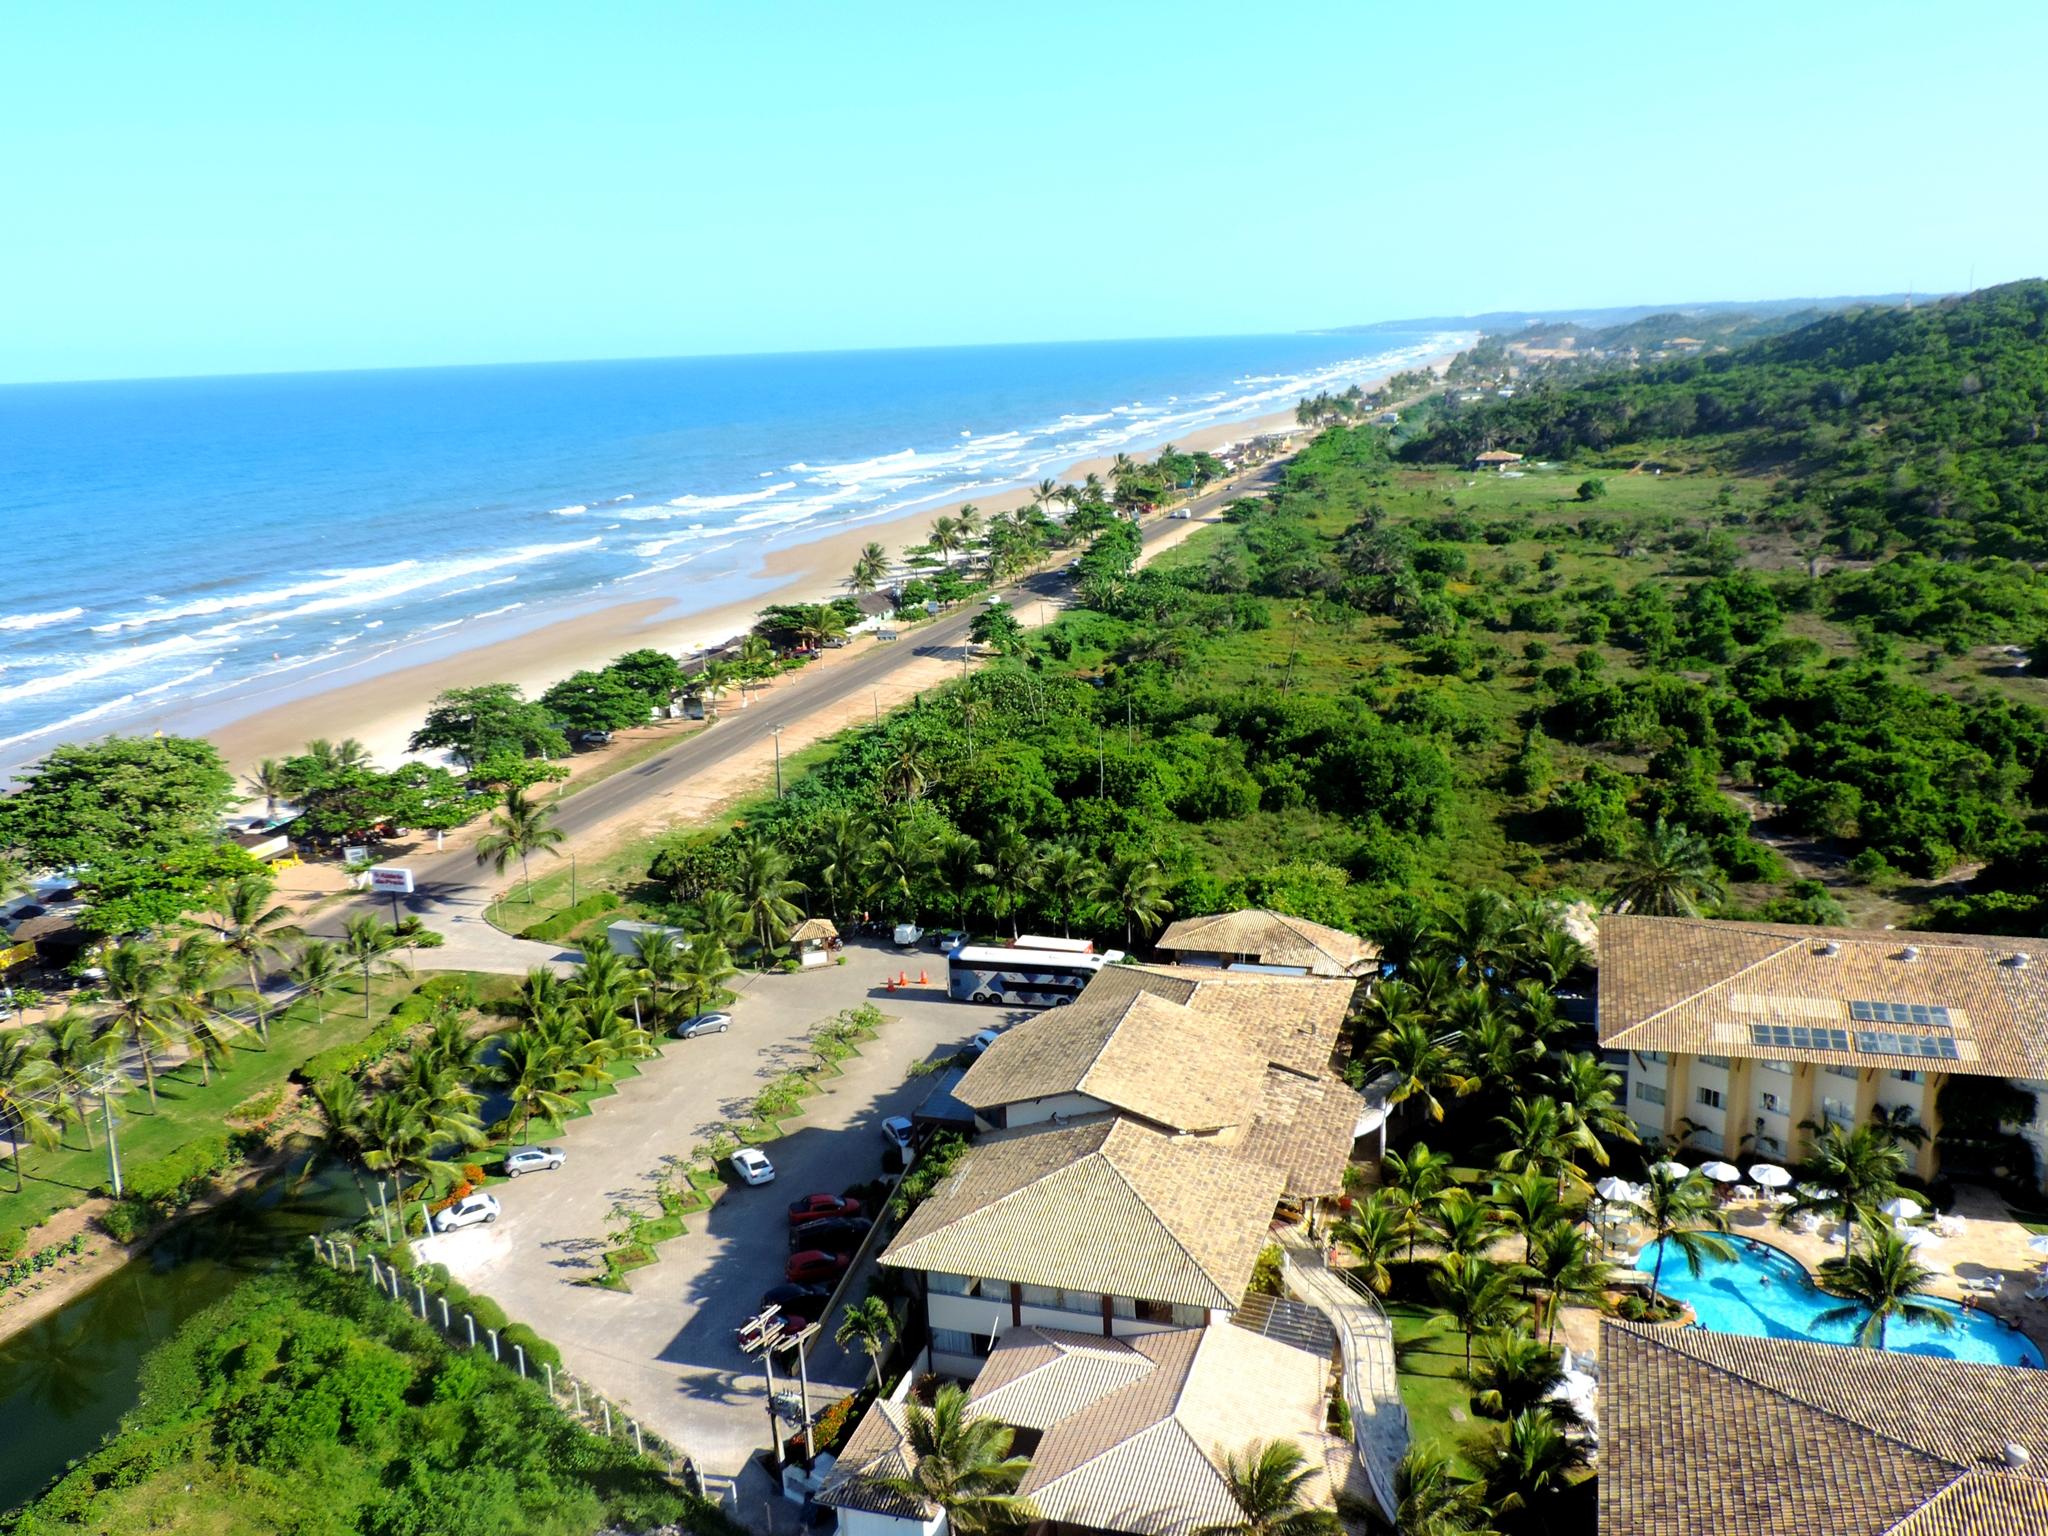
(149, 1077)
(256, 993)
(1657, 1272)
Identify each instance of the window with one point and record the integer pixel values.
(1926, 1015)
(1155, 1311)
(1122, 1306)
(1653, 1058)
(1884, 1042)
(1851, 1073)
(1716, 1061)
(1711, 1097)
(1649, 1093)
(1767, 1143)
(1799, 1037)
(1910, 1077)
(1189, 1317)
(957, 1341)
(1706, 1141)
(1837, 1112)
(1773, 1103)
(1061, 1301)
(1773, 1064)
(943, 1284)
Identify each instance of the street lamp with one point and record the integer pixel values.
(776, 732)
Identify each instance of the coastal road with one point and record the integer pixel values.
(452, 889)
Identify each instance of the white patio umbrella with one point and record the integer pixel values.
(1615, 1189)
(1916, 1237)
(1900, 1208)
(1720, 1172)
(1818, 1192)
(2038, 1244)
(1670, 1169)
(1770, 1175)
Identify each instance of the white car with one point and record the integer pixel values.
(467, 1212)
(907, 934)
(896, 1131)
(533, 1160)
(983, 1039)
(752, 1164)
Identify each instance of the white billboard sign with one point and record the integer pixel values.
(391, 880)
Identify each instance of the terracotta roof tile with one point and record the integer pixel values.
(1273, 938)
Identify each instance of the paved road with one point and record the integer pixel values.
(453, 890)
(666, 1349)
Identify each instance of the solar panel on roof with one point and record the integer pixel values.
(1799, 1037)
(1880, 1042)
(1922, 1015)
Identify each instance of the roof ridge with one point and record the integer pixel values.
(1784, 949)
(1822, 1411)
(1136, 999)
(1135, 1433)
(1139, 1196)
(1291, 923)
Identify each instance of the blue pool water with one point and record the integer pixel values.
(1767, 1294)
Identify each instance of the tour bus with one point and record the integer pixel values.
(1065, 946)
(1021, 977)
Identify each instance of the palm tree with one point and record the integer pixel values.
(908, 773)
(962, 1466)
(1267, 1483)
(706, 966)
(1422, 1064)
(842, 845)
(1479, 1296)
(1418, 1176)
(398, 1137)
(1669, 872)
(659, 962)
(1899, 1122)
(713, 683)
(1009, 864)
(870, 568)
(1517, 1372)
(318, 972)
(718, 917)
(271, 782)
(147, 1013)
(367, 945)
(1562, 1261)
(903, 855)
(958, 866)
(1067, 878)
(1431, 1500)
(1372, 1235)
(1529, 1459)
(763, 884)
(967, 519)
(1528, 1203)
(1136, 887)
(536, 1076)
(869, 1324)
(1538, 1136)
(253, 931)
(1862, 1167)
(1681, 1213)
(29, 1095)
(945, 537)
(1461, 1225)
(1878, 1283)
(520, 828)
(199, 973)
(336, 756)
(79, 1048)
(340, 1098)
(1590, 1096)
(1477, 934)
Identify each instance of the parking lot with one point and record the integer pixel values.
(666, 1350)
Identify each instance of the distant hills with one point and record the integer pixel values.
(1719, 320)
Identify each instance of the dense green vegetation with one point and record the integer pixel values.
(305, 1402)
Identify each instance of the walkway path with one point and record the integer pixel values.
(1372, 1384)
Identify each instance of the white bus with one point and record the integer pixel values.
(1065, 946)
(1021, 978)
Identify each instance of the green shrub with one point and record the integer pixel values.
(11, 1241)
(124, 1220)
(539, 1351)
(257, 1108)
(178, 1177)
(558, 925)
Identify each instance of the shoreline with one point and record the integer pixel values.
(386, 697)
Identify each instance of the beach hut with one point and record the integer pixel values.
(815, 941)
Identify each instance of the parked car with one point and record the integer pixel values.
(820, 1208)
(948, 940)
(704, 1024)
(533, 1160)
(467, 1212)
(896, 1131)
(1181, 514)
(983, 1039)
(814, 1265)
(906, 934)
(800, 1298)
(752, 1164)
(841, 1234)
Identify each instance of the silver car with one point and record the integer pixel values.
(704, 1024)
(533, 1160)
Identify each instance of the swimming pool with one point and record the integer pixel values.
(1766, 1294)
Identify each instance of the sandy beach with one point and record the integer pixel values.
(381, 706)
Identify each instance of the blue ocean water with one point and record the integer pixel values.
(171, 539)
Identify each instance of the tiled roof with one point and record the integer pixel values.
(1036, 1377)
(1109, 1206)
(812, 929)
(1696, 986)
(1274, 939)
(1707, 1433)
(878, 1447)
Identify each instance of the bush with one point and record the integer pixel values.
(558, 925)
(178, 1177)
(257, 1108)
(539, 1351)
(11, 1241)
(125, 1220)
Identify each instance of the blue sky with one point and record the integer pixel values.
(208, 188)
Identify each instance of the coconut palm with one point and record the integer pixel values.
(1590, 1096)
(1477, 934)
(870, 568)
(1009, 866)
(1372, 1234)
(908, 773)
(1555, 956)
(1681, 1213)
(1418, 1176)
(1564, 1263)
(716, 680)
(958, 867)
(79, 1048)
(1516, 1372)
(1878, 1282)
(762, 881)
(519, 829)
(340, 1098)
(903, 855)
(842, 847)
(318, 971)
(1477, 1295)
(945, 537)
(1267, 1481)
(1497, 1055)
(199, 972)
(1528, 1202)
(1861, 1166)
(870, 1325)
(536, 1075)
(1423, 1065)
(718, 917)
(1668, 872)
(1136, 887)
(961, 1466)
(706, 966)
(1067, 881)
(966, 520)
(147, 1013)
(449, 1043)
(1538, 1137)
(252, 930)
(1529, 1459)
(30, 1096)
(367, 944)
(399, 1137)
(657, 962)
(1432, 1500)
(330, 757)
(1460, 1224)
(271, 781)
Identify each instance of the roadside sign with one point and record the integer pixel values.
(391, 880)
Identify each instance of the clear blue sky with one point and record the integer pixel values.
(200, 188)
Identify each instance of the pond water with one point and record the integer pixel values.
(65, 1382)
(1766, 1294)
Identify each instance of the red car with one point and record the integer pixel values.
(811, 1266)
(818, 1207)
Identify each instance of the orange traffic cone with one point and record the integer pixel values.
(922, 979)
(888, 983)
(902, 978)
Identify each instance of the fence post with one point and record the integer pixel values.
(519, 1354)
(548, 1366)
(444, 1314)
(494, 1342)
(315, 1241)
(470, 1318)
(577, 1387)
(607, 1418)
(639, 1445)
(351, 1247)
(421, 1288)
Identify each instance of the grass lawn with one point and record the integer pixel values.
(188, 1108)
(1431, 1356)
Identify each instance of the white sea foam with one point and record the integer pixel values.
(576, 511)
(492, 613)
(735, 499)
(96, 668)
(25, 621)
(206, 607)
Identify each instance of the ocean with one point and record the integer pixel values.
(170, 540)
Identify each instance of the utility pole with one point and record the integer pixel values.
(776, 732)
(760, 1335)
(572, 879)
(803, 1376)
(113, 1148)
